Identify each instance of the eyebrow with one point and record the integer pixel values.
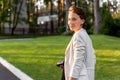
(72, 18)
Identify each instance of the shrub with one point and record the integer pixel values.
(61, 29)
(110, 26)
(115, 29)
(90, 30)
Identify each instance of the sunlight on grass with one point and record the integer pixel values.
(107, 59)
(107, 67)
(111, 53)
(38, 57)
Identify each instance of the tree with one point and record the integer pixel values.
(51, 13)
(113, 6)
(50, 5)
(32, 14)
(110, 25)
(67, 5)
(97, 17)
(60, 12)
(3, 13)
(17, 7)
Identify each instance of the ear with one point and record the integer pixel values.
(83, 21)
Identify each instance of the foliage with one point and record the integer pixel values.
(4, 4)
(46, 1)
(115, 29)
(116, 15)
(110, 26)
(38, 56)
(30, 13)
(90, 30)
(61, 29)
(107, 20)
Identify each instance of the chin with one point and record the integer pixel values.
(71, 29)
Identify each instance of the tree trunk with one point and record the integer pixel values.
(3, 17)
(97, 16)
(59, 3)
(10, 14)
(68, 4)
(16, 18)
(0, 26)
(51, 13)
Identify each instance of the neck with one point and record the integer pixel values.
(77, 29)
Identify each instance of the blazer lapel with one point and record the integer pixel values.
(68, 47)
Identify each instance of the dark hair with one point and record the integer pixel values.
(79, 11)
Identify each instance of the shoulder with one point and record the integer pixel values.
(80, 34)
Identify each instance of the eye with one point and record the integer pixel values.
(74, 19)
(69, 19)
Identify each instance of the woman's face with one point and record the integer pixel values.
(74, 21)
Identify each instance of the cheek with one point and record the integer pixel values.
(68, 22)
(77, 23)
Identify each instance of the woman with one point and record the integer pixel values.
(79, 56)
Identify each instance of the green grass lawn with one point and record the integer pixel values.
(38, 56)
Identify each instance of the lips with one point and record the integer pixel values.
(71, 26)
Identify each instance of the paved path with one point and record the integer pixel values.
(10, 72)
(5, 74)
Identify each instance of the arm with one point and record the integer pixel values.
(79, 56)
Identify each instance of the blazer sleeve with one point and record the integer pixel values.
(79, 55)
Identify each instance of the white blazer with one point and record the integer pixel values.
(79, 57)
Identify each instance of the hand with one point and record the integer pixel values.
(71, 78)
(61, 66)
